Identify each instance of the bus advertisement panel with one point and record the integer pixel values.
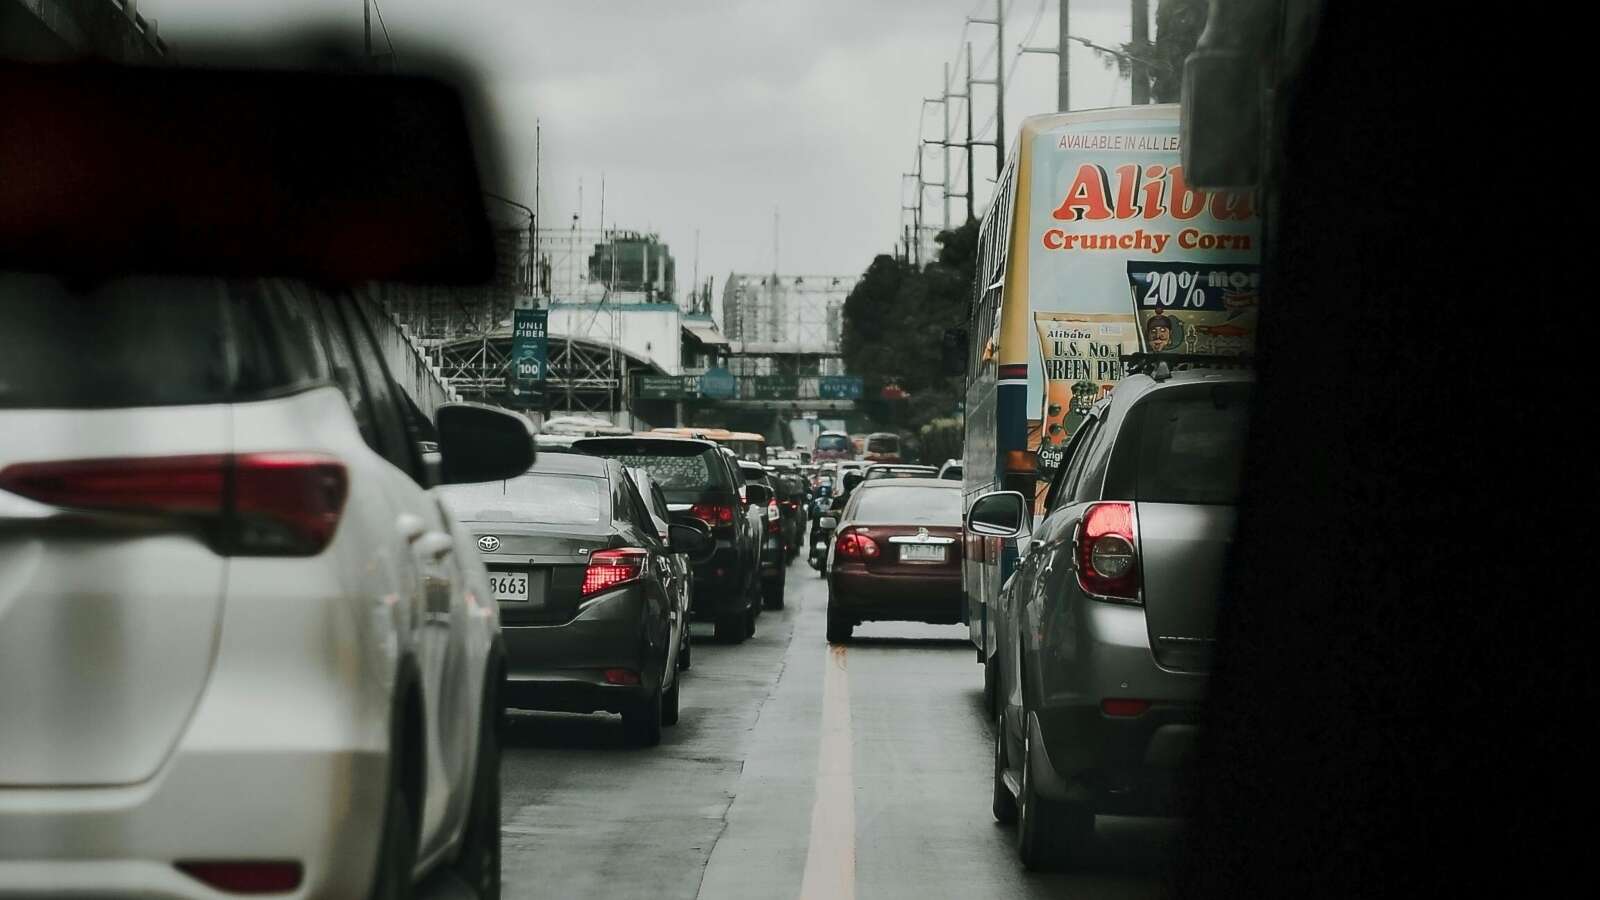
(1109, 216)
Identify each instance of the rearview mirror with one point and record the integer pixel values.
(481, 443)
(757, 494)
(692, 540)
(827, 523)
(1002, 514)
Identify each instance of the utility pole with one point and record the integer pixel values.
(999, 82)
(366, 26)
(944, 141)
(971, 145)
(1141, 45)
(1063, 87)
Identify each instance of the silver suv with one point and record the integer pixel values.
(1105, 630)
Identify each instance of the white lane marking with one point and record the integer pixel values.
(831, 854)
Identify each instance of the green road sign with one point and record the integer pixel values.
(666, 387)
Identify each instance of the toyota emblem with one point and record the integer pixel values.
(488, 543)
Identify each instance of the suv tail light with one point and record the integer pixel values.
(1108, 565)
(855, 545)
(252, 504)
(713, 514)
(609, 568)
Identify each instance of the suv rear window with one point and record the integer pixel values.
(831, 442)
(883, 444)
(147, 342)
(1189, 444)
(673, 473)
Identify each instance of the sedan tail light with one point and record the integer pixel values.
(253, 504)
(855, 545)
(610, 568)
(1107, 562)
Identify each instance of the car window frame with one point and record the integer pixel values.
(1061, 486)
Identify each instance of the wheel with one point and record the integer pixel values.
(397, 849)
(1048, 832)
(669, 703)
(772, 594)
(478, 863)
(642, 722)
(838, 629)
(686, 652)
(1004, 804)
(733, 628)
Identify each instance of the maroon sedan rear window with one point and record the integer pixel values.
(909, 505)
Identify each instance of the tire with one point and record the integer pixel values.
(838, 629)
(1049, 833)
(772, 594)
(478, 863)
(1004, 804)
(397, 847)
(642, 722)
(669, 703)
(750, 620)
(686, 652)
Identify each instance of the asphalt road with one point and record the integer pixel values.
(797, 770)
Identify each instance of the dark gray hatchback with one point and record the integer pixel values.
(577, 567)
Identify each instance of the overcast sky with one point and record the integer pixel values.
(710, 115)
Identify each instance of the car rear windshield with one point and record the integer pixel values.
(536, 497)
(676, 473)
(909, 505)
(831, 442)
(148, 342)
(883, 444)
(1190, 444)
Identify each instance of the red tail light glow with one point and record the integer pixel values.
(1107, 563)
(713, 514)
(245, 876)
(621, 676)
(855, 545)
(609, 568)
(1124, 707)
(253, 504)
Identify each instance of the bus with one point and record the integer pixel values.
(832, 445)
(1093, 247)
(746, 444)
(882, 446)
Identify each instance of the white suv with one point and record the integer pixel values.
(243, 647)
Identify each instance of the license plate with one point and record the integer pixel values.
(922, 552)
(509, 587)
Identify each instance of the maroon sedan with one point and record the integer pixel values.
(896, 555)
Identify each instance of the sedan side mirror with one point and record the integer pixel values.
(481, 443)
(693, 540)
(827, 523)
(1002, 514)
